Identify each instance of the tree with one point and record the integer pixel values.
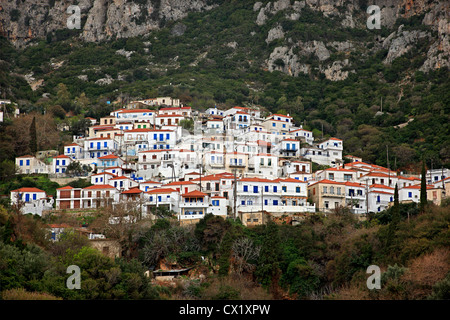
(423, 188)
(244, 253)
(268, 271)
(396, 207)
(33, 137)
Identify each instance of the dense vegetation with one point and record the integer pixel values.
(219, 60)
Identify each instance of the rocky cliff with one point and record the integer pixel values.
(352, 14)
(22, 21)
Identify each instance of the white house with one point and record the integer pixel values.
(102, 177)
(355, 197)
(122, 183)
(193, 205)
(133, 115)
(60, 164)
(289, 148)
(304, 134)
(168, 119)
(97, 147)
(74, 151)
(29, 164)
(263, 164)
(98, 195)
(33, 200)
(217, 206)
(336, 174)
(110, 160)
(379, 197)
(214, 112)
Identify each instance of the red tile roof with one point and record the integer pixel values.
(194, 193)
(28, 189)
(161, 190)
(99, 186)
(132, 191)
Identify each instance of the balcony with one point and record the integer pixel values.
(237, 165)
(191, 216)
(194, 204)
(216, 165)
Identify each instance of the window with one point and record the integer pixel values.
(21, 162)
(275, 202)
(284, 188)
(215, 203)
(297, 189)
(243, 202)
(255, 189)
(245, 188)
(409, 194)
(275, 188)
(28, 162)
(324, 189)
(266, 188)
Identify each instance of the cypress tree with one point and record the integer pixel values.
(423, 189)
(33, 137)
(396, 207)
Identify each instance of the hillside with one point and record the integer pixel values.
(315, 60)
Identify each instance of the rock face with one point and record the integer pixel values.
(400, 42)
(21, 21)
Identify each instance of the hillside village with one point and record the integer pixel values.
(157, 153)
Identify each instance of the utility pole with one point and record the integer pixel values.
(367, 198)
(389, 167)
(262, 200)
(235, 193)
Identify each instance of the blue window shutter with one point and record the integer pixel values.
(21, 162)
(255, 189)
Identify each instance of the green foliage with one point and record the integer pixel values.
(268, 268)
(441, 289)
